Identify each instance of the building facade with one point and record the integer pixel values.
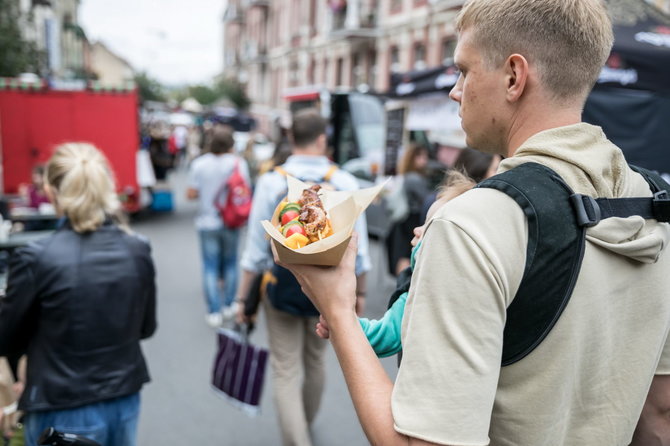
(109, 68)
(279, 46)
(54, 28)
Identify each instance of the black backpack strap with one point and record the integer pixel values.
(553, 256)
(591, 210)
(557, 221)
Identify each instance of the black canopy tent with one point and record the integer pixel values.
(415, 83)
(631, 100)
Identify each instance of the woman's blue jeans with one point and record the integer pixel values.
(219, 259)
(110, 422)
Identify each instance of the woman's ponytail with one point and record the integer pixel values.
(83, 185)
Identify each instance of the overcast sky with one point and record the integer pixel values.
(175, 41)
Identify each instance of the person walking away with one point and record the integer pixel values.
(218, 244)
(601, 376)
(180, 134)
(296, 352)
(161, 159)
(194, 144)
(78, 302)
(415, 186)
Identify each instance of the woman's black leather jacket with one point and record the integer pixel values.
(78, 305)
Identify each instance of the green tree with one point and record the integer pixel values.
(149, 89)
(234, 91)
(204, 94)
(16, 54)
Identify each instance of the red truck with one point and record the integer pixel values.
(34, 119)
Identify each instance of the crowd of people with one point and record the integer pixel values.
(79, 302)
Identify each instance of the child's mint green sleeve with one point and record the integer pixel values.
(384, 333)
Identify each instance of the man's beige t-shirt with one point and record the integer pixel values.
(587, 381)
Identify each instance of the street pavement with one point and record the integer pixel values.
(179, 406)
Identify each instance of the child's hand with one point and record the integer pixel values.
(418, 234)
(322, 329)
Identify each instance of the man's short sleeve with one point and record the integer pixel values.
(470, 266)
(663, 367)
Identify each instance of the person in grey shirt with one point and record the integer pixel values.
(218, 244)
(297, 353)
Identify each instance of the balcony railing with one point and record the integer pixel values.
(353, 18)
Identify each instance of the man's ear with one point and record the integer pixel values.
(516, 76)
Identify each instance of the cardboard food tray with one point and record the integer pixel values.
(343, 209)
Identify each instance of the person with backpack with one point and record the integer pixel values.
(506, 339)
(220, 181)
(296, 352)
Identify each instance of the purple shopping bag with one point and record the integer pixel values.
(239, 370)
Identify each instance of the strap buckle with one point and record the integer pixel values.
(661, 206)
(586, 209)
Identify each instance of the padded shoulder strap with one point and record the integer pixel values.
(553, 255)
(661, 190)
(591, 210)
(656, 182)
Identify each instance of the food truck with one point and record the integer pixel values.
(35, 118)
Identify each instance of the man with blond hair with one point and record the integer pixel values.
(526, 69)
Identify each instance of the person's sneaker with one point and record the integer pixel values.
(230, 312)
(214, 320)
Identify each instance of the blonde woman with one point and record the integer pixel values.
(78, 302)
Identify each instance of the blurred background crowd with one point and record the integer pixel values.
(377, 71)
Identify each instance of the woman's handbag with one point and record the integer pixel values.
(239, 370)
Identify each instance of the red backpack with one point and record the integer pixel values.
(235, 211)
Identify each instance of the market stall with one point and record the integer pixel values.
(631, 100)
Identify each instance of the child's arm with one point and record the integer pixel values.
(384, 333)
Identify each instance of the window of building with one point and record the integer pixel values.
(356, 69)
(338, 71)
(395, 6)
(395, 60)
(372, 69)
(325, 72)
(312, 17)
(448, 48)
(419, 56)
(310, 74)
(294, 74)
